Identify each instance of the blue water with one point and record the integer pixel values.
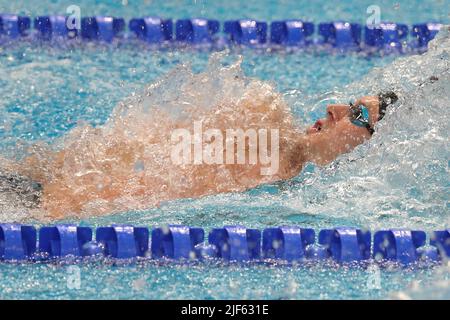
(48, 91)
(316, 11)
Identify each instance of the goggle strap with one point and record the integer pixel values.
(366, 116)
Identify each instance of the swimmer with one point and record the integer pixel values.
(344, 127)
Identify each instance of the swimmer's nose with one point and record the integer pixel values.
(336, 112)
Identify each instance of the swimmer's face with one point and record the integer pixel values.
(335, 134)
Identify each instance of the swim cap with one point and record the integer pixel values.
(21, 188)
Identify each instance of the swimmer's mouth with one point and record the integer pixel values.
(317, 127)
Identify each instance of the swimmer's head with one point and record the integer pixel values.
(347, 125)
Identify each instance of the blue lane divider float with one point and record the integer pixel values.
(342, 35)
(441, 240)
(229, 243)
(291, 33)
(424, 33)
(176, 242)
(64, 240)
(14, 26)
(49, 27)
(402, 245)
(236, 243)
(196, 30)
(387, 35)
(123, 242)
(287, 243)
(346, 244)
(101, 28)
(17, 242)
(246, 32)
(152, 29)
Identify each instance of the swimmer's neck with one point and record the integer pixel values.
(311, 148)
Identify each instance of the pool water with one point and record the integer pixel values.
(209, 281)
(266, 10)
(399, 178)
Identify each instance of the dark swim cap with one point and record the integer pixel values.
(23, 189)
(386, 99)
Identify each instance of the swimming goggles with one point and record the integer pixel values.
(359, 116)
